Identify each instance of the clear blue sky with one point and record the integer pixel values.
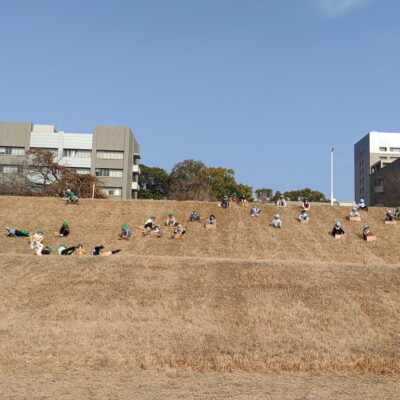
(265, 87)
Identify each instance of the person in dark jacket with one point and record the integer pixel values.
(17, 233)
(337, 229)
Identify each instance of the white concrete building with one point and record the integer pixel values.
(380, 148)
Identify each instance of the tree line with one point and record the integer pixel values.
(193, 180)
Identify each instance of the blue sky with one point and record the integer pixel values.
(265, 87)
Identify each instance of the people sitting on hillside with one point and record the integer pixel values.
(194, 216)
(354, 213)
(150, 222)
(337, 230)
(211, 220)
(125, 232)
(242, 198)
(234, 198)
(306, 204)
(154, 230)
(36, 238)
(397, 213)
(72, 199)
(64, 230)
(389, 217)
(281, 202)
(225, 202)
(277, 222)
(255, 211)
(180, 230)
(99, 251)
(17, 233)
(303, 216)
(362, 206)
(366, 232)
(171, 221)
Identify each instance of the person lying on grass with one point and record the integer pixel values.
(99, 251)
(17, 233)
(63, 250)
(41, 250)
(125, 232)
(337, 229)
(38, 237)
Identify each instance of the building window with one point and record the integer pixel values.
(80, 171)
(50, 150)
(382, 148)
(112, 173)
(11, 169)
(110, 155)
(77, 153)
(395, 149)
(14, 151)
(112, 191)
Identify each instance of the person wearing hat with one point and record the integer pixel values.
(194, 216)
(242, 198)
(225, 202)
(63, 250)
(354, 212)
(64, 230)
(397, 213)
(150, 222)
(366, 232)
(362, 206)
(389, 216)
(99, 251)
(281, 202)
(277, 222)
(171, 221)
(306, 204)
(303, 216)
(43, 251)
(234, 198)
(38, 237)
(180, 230)
(72, 198)
(17, 233)
(255, 211)
(125, 232)
(337, 229)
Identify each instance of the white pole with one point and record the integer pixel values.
(332, 152)
(93, 191)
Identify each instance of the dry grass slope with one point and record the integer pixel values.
(242, 298)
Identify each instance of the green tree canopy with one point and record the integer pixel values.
(313, 195)
(264, 195)
(153, 183)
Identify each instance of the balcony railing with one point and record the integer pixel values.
(378, 189)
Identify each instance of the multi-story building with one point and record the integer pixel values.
(375, 147)
(110, 152)
(385, 184)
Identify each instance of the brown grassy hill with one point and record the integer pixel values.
(244, 298)
(238, 235)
